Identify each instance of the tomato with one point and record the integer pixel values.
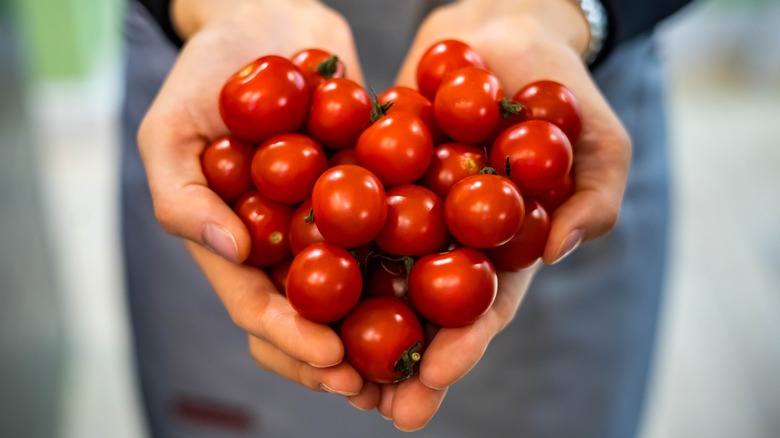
(324, 282)
(439, 60)
(553, 102)
(453, 289)
(278, 274)
(268, 223)
(226, 164)
(385, 278)
(346, 156)
(527, 245)
(267, 97)
(350, 205)
(556, 196)
(467, 105)
(411, 101)
(340, 111)
(286, 166)
(303, 230)
(540, 155)
(415, 222)
(397, 148)
(317, 65)
(484, 211)
(383, 340)
(451, 163)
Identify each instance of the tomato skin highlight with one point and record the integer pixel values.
(340, 111)
(267, 97)
(453, 289)
(350, 205)
(466, 105)
(415, 223)
(268, 223)
(484, 211)
(527, 246)
(286, 167)
(439, 60)
(397, 148)
(540, 155)
(451, 163)
(226, 164)
(376, 334)
(553, 102)
(323, 282)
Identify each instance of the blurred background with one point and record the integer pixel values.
(65, 365)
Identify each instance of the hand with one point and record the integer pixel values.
(521, 41)
(221, 37)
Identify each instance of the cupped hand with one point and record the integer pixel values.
(521, 41)
(221, 37)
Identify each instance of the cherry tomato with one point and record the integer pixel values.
(303, 230)
(278, 274)
(340, 111)
(484, 211)
(317, 65)
(226, 165)
(553, 102)
(453, 289)
(324, 282)
(527, 245)
(267, 97)
(451, 163)
(415, 222)
(397, 148)
(286, 167)
(350, 205)
(439, 60)
(556, 196)
(383, 340)
(346, 156)
(467, 105)
(268, 223)
(411, 101)
(540, 155)
(385, 278)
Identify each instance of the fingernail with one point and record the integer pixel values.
(356, 406)
(326, 388)
(569, 244)
(220, 241)
(324, 366)
(383, 416)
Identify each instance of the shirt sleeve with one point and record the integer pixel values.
(161, 12)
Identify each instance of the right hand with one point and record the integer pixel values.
(221, 37)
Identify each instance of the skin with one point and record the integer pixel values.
(520, 40)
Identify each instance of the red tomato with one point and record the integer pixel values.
(467, 105)
(350, 206)
(484, 211)
(324, 282)
(415, 222)
(553, 102)
(346, 156)
(303, 230)
(540, 155)
(383, 340)
(439, 60)
(268, 223)
(451, 163)
(267, 97)
(555, 197)
(397, 148)
(411, 101)
(226, 165)
(278, 274)
(286, 167)
(317, 65)
(453, 289)
(340, 111)
(385, 278)
(527, 245)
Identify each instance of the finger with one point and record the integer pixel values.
(414, 404)
(256, 306)
(385, 406)
(340, 379)
(454, 351)
(368, 398)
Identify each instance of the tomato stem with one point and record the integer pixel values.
(328, 67)
(487, 170)
(309, 217)
(409, 363)
(510, 108)
(507, 167)
(379, 110)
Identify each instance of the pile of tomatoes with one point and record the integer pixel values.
(381, 215)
